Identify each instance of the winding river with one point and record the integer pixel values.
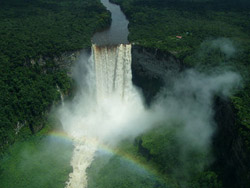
(118, 32)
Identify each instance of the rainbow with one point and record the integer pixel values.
(61, 135)
(136, 161)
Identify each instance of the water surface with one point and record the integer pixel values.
(117, 33)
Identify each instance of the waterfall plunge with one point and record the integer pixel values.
(105, 110)
(113, 71)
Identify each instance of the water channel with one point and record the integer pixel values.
(118, 32)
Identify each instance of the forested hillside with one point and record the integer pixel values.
(32, 30)
(206, 35)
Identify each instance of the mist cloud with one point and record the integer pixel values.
(186, 104)
(225, 45)
(109, 121)
(188, 100)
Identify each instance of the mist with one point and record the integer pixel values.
(224, 46)
(109, 120)
(185, 104)
(189, 100)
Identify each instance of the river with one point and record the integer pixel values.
(118, 32)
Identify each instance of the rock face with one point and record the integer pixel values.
(232, 162)
(66, 60)
(62, 62)
(153, 68)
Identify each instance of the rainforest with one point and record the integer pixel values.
(124, 93)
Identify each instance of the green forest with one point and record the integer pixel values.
(31, 30)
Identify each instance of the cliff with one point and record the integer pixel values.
(152, 69)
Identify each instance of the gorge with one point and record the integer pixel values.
(93, 109)
(108, 109)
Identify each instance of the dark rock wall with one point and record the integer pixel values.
(152, 69)
(232, 163)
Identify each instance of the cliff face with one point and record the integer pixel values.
(151, 69)
(232, 162)
(62, 62)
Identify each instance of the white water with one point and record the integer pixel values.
(105, 118)
(61, 94)
(113, 71)
(83, 155)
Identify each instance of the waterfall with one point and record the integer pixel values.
(113, 71)
(61, 94)
(92, 122)
(106, 105)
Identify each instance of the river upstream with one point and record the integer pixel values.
(118, 32)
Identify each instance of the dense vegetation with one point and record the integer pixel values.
(31, 30)
(118, 170)
(36, 162)
(208, 35)
(32, 33)
(153, 160)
